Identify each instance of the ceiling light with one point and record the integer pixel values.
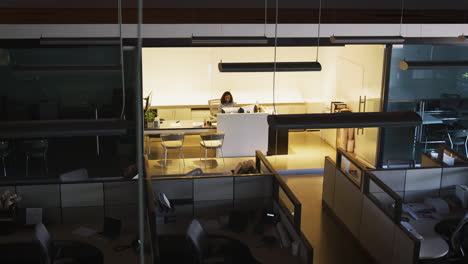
(79, 41)
(430, 65)
(269, 66)
(462, 38)
(344, 120)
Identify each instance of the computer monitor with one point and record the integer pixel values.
(230, 110)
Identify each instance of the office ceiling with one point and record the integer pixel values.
(239, 11)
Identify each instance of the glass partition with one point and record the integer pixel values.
(440, 96)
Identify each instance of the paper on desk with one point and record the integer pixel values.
(175, 124)
(84, 231)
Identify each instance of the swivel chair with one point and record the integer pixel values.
(216, 249)
(453, 231)
(54, 252)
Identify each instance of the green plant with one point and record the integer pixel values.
(150, 115)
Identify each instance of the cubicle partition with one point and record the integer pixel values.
(79, 202)
(206, 196)
(369, 202)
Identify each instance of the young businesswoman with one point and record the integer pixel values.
(226, 101)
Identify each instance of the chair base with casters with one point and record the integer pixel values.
(172, 141)
(212, 141)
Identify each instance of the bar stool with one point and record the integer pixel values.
(36, 149)
(4, 152)
(212, 141)
(172, 141)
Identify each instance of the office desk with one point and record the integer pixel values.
(183, 126)
(66, 232)
(433, 245)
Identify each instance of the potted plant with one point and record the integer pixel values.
(149, 118)
(8, 204)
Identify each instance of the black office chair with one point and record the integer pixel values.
(454, 231)
(55, 252)
(216, 249)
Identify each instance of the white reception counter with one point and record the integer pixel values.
(244, 133)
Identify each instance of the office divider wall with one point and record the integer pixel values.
(379, 201)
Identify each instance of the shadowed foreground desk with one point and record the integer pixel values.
(24, 235)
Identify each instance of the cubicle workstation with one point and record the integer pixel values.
(249, 208)
(394, 213)
(100, 212)
(443, 156)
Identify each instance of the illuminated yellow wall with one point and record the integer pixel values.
(190, 76)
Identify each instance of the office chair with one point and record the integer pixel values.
(459, 138)
(216, 249)
(4, 152)
(36, 149)
(214, 107)
(212, 141)
(453, 231)
(172, 141)
(54, 252)
(403, 163)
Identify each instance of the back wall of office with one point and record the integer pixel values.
(190, 76)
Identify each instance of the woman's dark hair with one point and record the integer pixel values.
(223, 101)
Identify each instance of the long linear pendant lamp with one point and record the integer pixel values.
(269, 66)
(367, 40)
(79, 41)
(431, 65)
(344, 120)
(229, 40)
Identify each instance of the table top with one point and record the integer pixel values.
(183, 126)
(433, 245)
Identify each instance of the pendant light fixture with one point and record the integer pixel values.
(372, 39)
(274, 66)
(344, 120)
(432, 65)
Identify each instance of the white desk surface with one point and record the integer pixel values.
(433, 245)
(183, 126)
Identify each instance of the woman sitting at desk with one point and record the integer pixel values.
(226, 101)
